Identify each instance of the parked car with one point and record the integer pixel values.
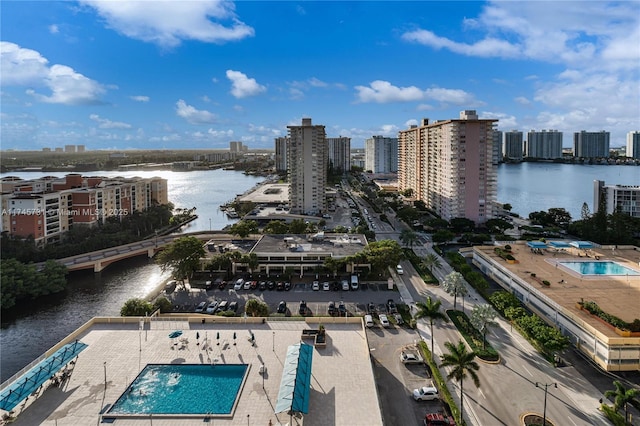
(233, 306)
(315, 286)
(201, 306)
(342, 309)
(279, 286)
(326, 286)
(287, 286)
(262, 286)
(384, 321)
(208, 285)
(211, 309)
(398, 319)
(170, 286)
(282, 307)
(238, 285)
(222, 306)
(345, 285)
(253, 285)
(222, 284)
(399, 269)
(437, 419)
(271, 285)
(410, 358)
(303, 308)
(368, 320)
(391, 307)
(371, 308)
(331, 309)
(425, 394)
(246, 285)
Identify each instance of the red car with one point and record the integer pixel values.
(437, 419)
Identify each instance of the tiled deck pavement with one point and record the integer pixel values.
(342, 383)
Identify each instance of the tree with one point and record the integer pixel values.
(431, 261)
(136, 307)
(621, 396)
(463, 363)
(382, 254)
(163, 304)
(507, 207)
(584, 212)
(462, 224)
(431, 309)
(408, 237)
(482, 317)
(276, 227)
(297, 226)
(182, 256)
(442, 236)
(455, 286)
(244, 228)
(256, 308)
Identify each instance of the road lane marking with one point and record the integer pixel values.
(481, 393)
(527, 370)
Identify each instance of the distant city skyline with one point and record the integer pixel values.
(197, 75)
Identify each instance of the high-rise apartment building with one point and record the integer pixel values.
(307, 164)
(339, 153)
(236, 146)
(381, 154)
(591, 144)
(617, 198)
(546, 144)
(512, 146)
(633, 145)
(69, 148)
(449, 166)
(282, 144)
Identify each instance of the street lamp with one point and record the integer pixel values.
(274, 341)
(544, 412)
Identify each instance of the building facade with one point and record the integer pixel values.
(237, 147)
(307, 168)
(381, 154)
(617, 198)
(546, 144)
(513, 146)
(591, 144)
(48, 207)
(282, 144)
(633, 145)
(339, 153)
(450, 166)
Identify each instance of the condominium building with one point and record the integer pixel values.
(69, 148)
(546, 144)
(339, 150)
(237, 147)
(381, 154)
(617, 198)
(449, 166)
(591, 144)
(282, 144)
(47, 207)
(307, 168)
(513, 146)
(633, 145)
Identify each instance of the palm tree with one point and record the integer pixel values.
(462, 363)
(408, 237)
(431, 309)
(621, 396)
(431, 261)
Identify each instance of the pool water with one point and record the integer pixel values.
(599, 268)
(182, 389)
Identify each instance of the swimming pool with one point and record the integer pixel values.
(183, 389)
(599, 268)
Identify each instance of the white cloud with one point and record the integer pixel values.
(505, 122)
(104, 123)
(243, 86)
(53, 29)
(168, 23)
(488, 47)
(192, 115)
(139, 98)
(522, 100)
(380, 91)
(26, 67)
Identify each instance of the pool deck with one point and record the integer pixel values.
(617, 295)
(343, 390)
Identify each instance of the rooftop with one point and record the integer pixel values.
(338, 245)
(118, 349)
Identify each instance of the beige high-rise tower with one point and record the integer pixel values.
(449, 166)
(307, 158)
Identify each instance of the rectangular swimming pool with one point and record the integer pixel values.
(183, 389)
(599, 268)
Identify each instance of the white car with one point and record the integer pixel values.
(211, 309)
(315, 286)
(410, 358)
(238, 285)
(201, 306)
(325, 286)
(399, 270)
(425, 393)
(384, 321)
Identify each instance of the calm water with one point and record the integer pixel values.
(26, 336)
(178, 389)
(527, 187)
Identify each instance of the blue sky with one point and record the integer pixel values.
(198, 74)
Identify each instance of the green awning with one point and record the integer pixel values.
(296, 380)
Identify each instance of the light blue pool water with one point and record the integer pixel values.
(182, 389)
(599, 268)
